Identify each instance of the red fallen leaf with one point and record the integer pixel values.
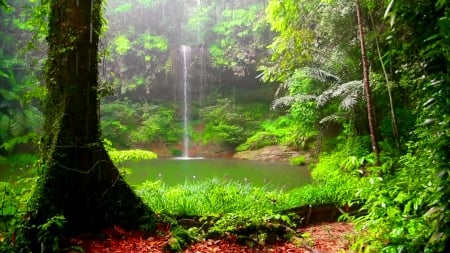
(327, 237)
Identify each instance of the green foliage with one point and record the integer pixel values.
(292, 47)
(212, 197)
(122, 45)
(121, 156)
(258, 140)
(398, 209)
(50, 233)
(14, 198)
(9, 204)
(20, 118)
(22, 160)
(154, 42)
(13, 142)
(123, 8)
(4, 5)
(331, 184)
(117, 118)
(297, 160)
(157, 125)
(126, 123)
(254, 227)
(286, 130)
(228, 126)
(238, 41)
(226, 208)
(179, 240)
(176, 152)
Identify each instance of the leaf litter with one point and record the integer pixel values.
(328, 237)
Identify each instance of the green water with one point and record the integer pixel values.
(173, 172)
(258, 173)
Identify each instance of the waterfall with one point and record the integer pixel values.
(186, 57)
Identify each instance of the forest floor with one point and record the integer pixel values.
(330, 237)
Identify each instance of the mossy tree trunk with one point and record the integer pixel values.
(78, 179)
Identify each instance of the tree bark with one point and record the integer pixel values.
(366, 83)
(78, 179)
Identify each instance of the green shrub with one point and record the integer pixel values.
(14, 199)
(120, 157)
(156, 123)
(400, 216)
(258, 140)
(228, 123)
(176, 152)
(297, 160)
(22, 160)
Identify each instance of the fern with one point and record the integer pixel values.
(11, 143)
(321, 75)
(9, 95)
(286, 101)
(351, 92)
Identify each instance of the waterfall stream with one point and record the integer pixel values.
(186, 56)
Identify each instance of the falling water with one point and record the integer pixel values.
(186, 56)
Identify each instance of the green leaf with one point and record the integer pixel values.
(122, 44)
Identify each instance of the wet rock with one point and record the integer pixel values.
(269, 153)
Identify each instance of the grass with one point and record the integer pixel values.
(210, 197)
(218, 197)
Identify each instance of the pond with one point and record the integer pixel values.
(178, 171)
(259, 173)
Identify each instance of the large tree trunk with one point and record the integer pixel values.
(78, 180)
(366, 83)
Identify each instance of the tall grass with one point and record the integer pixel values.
(215, 197)
(210, 197)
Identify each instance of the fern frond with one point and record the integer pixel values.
(9, 95)
(321, 75)
(350, 91)
(282, 87)
(350, 101)
(347, 88)
(332, 117)
(12, 142)
(286, 101)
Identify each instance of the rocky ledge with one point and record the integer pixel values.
(272, 153)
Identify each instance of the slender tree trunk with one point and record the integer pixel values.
(79, 180)
(366, 83)
(394, 123)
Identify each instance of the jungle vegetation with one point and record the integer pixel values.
(360, 84)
